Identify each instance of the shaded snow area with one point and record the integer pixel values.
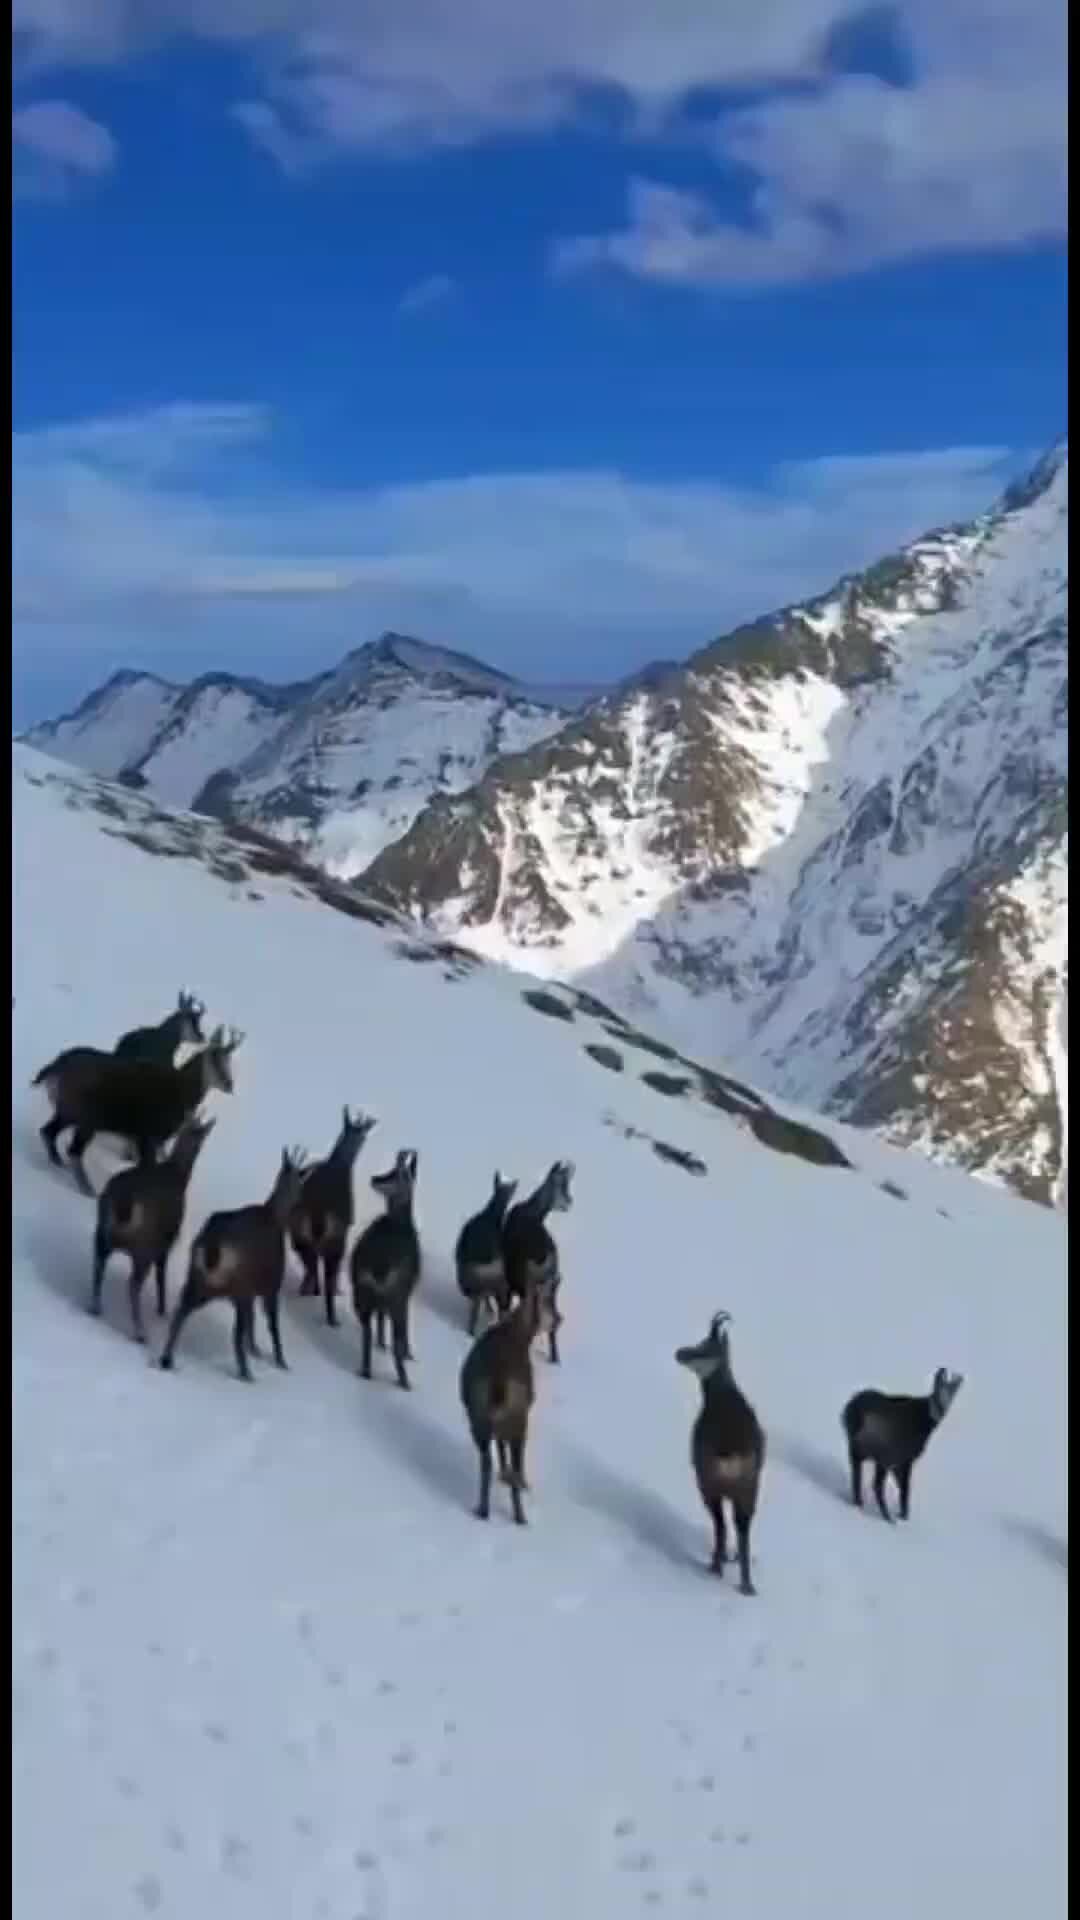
(267, 1664)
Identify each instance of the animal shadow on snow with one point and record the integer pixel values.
(644, 1514)
(60, 1254)
(306, 1315)
(445, 1462)
(825, 1471)
(1039, 1540)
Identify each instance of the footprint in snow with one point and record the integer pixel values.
(236, 1856)
(149, 1892)
(637, 1860)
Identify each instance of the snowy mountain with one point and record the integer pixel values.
(341, 763)
(266, 1661)
(830, 851)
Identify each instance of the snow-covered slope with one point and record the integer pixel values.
(339, 764)
(830, 851)
(266, 1663)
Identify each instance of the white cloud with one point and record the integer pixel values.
(857, 172)
(840, 171)
(150, 539)
(427, 293)
(54, 146)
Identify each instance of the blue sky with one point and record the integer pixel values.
(569, 335)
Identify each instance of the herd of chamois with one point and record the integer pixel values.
(506, 1260)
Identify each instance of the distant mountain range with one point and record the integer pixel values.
(829, 850)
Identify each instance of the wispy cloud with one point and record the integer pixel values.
(859, 175)
(427, 293)
(838, 169)
(55, 147)
(153, 538)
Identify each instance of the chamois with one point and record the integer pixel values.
(478, 1255)
(385, 1266)
(727, 1446)
(182, 1027)
(530, 1252)
(140, 1100)
(891, 1430)
(140, 1213)
(239, 1256)
(320, 1224)
(497, 1394)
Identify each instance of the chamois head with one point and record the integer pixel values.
(191, 1138)
(943, 1392)
(355, 1128)
(558, 1181)
(712, 1355)
(218, 1058)
(190, 1013)
(502, 1193)
(289, 1182)
(396, 1187)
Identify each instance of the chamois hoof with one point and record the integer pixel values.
(481, 1513)
(166, 1363)
(748, 1588)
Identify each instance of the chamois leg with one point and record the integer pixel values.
(720, 1538)
(101, 1255)
(365, 1338)
(380, 1329)
(503, 1452)
(743, 1521)
(554, 1323)
(188, 1304)
(903, 1482)
(245, 1314)
(400, 1337)
(856, 1477)
(161, 1276)
(879, 1491)
(483, 1504)
(309, 1260)
(50, 1133)
(474, 1315)
(273, 1320)
(80, 1140)
(139, 1271)
(517, 1477)
(332, 1257)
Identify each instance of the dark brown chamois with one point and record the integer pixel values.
(140, 1100)
(497, 1394)
(181, 1028)
(891, 1430)
(727, 1446)
(479, 1258)
(320, 1225)
(140, 1213)
(385, 1266)
(529, 1250)
(239, 1256)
